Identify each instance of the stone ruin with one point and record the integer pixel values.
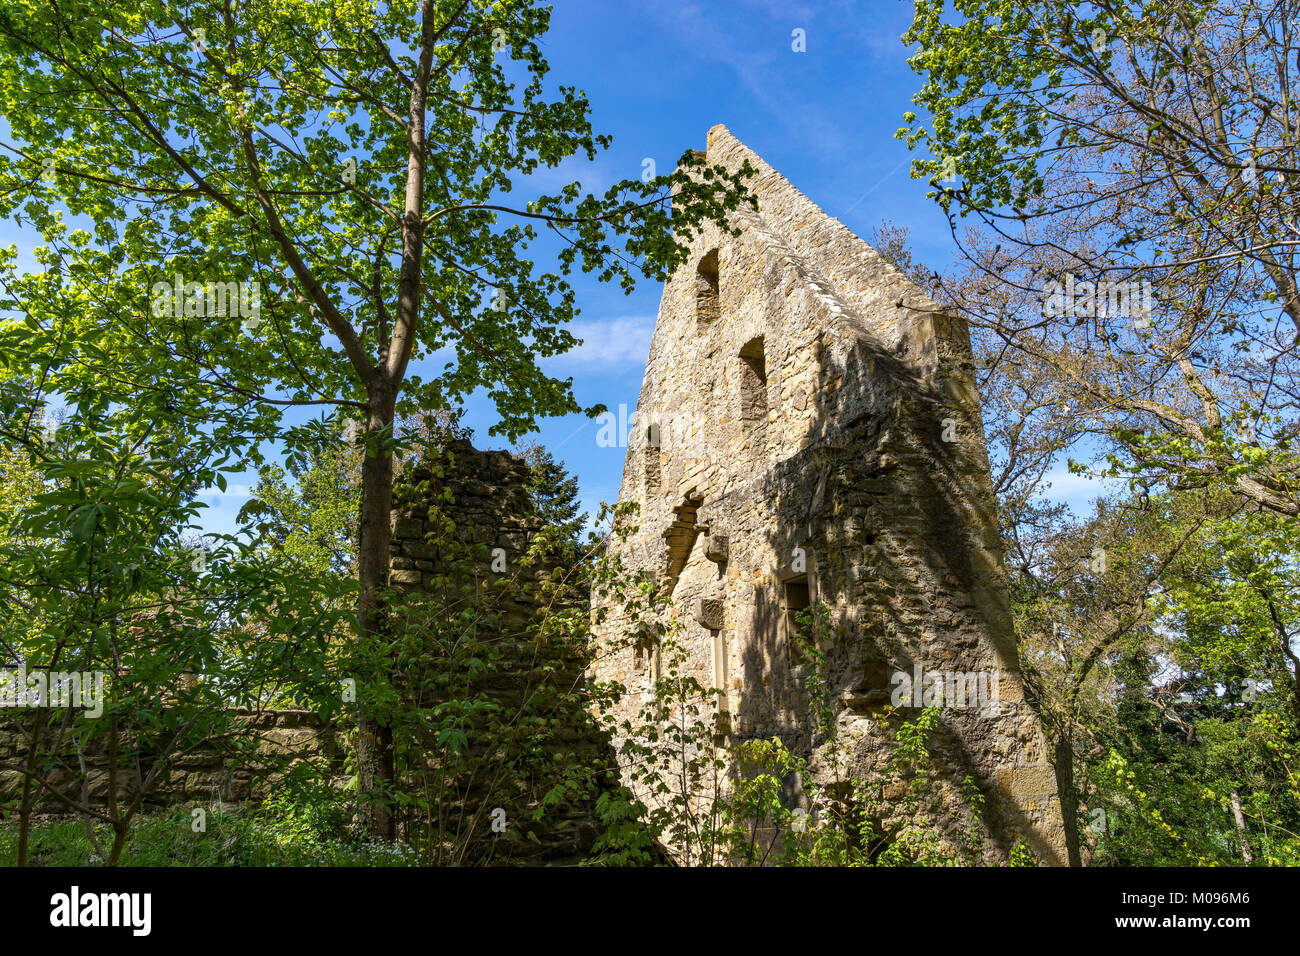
(808, 431)
(463, 526)
(465, 536)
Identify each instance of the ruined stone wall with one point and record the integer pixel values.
(808, 420)
(463, 527)
(463, 530)
(208, 774)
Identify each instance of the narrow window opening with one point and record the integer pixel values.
(707, 309)
(753, 383)
(797, 597)
(646, 655)
(653, 468)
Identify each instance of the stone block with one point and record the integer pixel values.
(709, 613)
(419, 549)
(407, 527)
(1034, 781)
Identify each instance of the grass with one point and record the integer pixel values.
(274, 835)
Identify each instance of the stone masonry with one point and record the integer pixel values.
(212, 773)
(808, 430)
(463, 528)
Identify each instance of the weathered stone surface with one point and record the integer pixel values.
(408, 527)
(1027, 782)
(207, 773)
(810, 403)
(709, 613)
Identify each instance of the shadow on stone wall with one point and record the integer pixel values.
(890, 497)
(482, 592)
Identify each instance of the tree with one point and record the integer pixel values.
(104, 587)
(342, 170)
(554, 492)
(1133, 171)
(1139, 161)
(313, 519)
(1104, 606)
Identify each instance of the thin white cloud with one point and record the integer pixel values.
(610, 342)
(232, 491)
(760, 70)
(596, 176)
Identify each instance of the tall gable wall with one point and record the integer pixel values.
(808, 430)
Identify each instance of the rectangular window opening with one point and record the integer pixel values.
(797, 597)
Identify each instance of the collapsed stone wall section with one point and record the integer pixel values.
(210, 774)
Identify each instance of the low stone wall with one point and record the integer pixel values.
(240, 766)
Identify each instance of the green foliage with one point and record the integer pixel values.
(304, 823)
(271, 836)
(1021, 855)
(106, 573)
(309, 514)
(625, 839)
(478, 674)
(209, 162)
(344, 171)
(305, 808)
(1164, 670)
(555, 493)
(978, 132)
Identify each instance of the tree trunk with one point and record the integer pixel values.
(374, 736)
(121, 829)
(1241, 829)
(29, 796)
(1064, 765)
